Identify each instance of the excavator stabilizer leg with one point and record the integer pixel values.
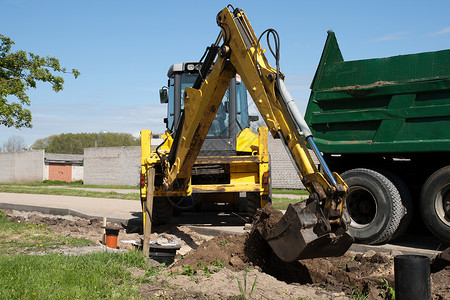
(303, 232)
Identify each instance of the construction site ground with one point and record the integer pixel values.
(218, 252)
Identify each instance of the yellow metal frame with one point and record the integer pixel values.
(246, 171)
(242, 54)
(259, 77)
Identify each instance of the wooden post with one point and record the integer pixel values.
(148, 206)
(104, 231)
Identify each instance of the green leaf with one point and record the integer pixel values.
(20, 71)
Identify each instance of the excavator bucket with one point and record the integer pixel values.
(302, 232)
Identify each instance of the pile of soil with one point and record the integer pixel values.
(353, 271)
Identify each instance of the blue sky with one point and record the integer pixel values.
(123, 49)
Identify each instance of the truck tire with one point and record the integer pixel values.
(374, 205)
(407, 203)
(435, 203)
(162, 211)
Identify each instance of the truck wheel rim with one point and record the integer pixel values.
(362, 206)
(442, 204)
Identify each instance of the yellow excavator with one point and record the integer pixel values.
(317, 229)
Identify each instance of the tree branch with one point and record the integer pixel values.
(18, 78)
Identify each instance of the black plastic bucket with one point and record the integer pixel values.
(163, 254)
(412, 277)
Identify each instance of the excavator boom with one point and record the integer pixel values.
(320, 228)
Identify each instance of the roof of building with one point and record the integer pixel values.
(63, 158)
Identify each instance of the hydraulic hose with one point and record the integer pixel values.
(293, 109)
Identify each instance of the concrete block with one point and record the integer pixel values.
(112, 165)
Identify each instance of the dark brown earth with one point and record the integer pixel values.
(210, 268)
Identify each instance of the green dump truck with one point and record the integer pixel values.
(384, 125)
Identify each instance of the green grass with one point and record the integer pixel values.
(243, 287)
(19, 238)
(282, 203)
(290, 192)
(66, 192)
(54, 276)
(78, 183)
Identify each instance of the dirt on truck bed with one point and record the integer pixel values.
(215, 267)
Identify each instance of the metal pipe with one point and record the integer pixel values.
(293, 109)
(321, 160)
(304, 128)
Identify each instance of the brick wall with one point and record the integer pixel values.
(60, 172)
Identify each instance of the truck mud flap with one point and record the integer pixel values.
(303, 232)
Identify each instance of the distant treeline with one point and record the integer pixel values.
(74, 143)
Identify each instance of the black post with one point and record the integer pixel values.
(412, 277)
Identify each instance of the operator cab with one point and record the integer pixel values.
(231, 117)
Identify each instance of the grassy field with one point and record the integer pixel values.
(282, 203)
(290, 192)
(66, 192)
(70, 189)
(56, 276)
(52, 276)
(16, 238)
(75, 184)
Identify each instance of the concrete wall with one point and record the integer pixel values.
(112, 165)
(46, 172)
(121, 166)
(24, 166)
(283, 173)
(77, 173)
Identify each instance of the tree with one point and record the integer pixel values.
(20, 71)
(42, 143)
(74, 143)
(14, 143)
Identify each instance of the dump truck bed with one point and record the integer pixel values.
(397, 104)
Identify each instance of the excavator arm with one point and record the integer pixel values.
(320, 228)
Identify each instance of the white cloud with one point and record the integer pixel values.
(446, 30)
(392, 36)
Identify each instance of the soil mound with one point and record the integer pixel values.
(353, 271)
(228, 249)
